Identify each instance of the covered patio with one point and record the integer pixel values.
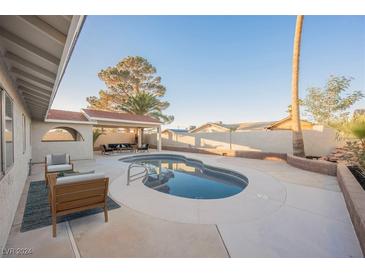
(118, 127)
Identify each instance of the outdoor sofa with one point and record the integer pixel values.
(76, 193)
(116, 147)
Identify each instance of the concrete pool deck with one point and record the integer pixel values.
(284, 212)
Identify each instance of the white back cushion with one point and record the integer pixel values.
(80, 178)
(49, 159)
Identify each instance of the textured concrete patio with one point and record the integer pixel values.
(285, 212)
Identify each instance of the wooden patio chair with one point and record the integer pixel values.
(77, 193)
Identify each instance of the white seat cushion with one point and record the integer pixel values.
(80, 178)
(55, 168)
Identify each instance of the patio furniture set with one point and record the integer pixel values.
(112, 148)
(71, 191)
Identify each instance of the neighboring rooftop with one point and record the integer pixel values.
(255, 125)
(284, 123)
(219, 125)
(177, 130)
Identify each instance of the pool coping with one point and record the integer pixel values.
(263, 196)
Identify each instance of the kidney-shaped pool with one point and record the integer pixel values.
(189, 178)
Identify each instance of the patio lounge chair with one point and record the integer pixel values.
(77, 193)
(105, 149)
(55, 163)
(144, 147)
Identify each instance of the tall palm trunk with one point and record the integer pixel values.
(298, 144)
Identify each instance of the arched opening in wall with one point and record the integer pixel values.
(62, 134)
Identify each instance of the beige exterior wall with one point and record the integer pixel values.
(78, 150)
(12, 183)
(318, 141)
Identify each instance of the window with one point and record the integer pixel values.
(62, 134)
(24, 129)
(1, 135)
(30, 134)
(8, 131)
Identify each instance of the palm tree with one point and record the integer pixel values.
(144, 103)
(298, 144)
(96, 134)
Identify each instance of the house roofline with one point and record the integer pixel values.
(93, 118)
(74, 30)
(69, 121)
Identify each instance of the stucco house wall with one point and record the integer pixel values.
(78, 150)
(318, 141)
(12, 182)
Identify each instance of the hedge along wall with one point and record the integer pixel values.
(318, 141)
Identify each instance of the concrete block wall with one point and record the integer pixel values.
(318, 141)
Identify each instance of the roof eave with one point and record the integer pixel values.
(72, 36)
(68, 121)
(96, 119)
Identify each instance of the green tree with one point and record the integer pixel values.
(330, 104)
(134, 87)
(105, 101)
(298, 144)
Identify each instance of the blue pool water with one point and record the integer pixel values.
(189, 178)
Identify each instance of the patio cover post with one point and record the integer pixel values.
(158, 138)
(139, 134)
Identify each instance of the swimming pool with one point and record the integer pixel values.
(188, 178)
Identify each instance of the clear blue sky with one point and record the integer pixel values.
(218, 68)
